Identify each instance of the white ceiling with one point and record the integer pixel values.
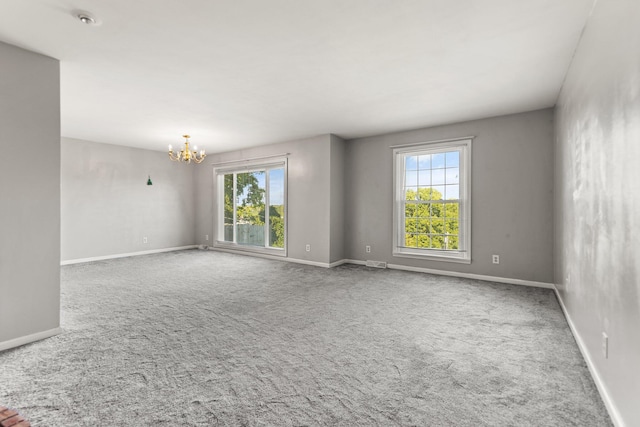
(239, 73)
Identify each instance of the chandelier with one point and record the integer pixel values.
(185, 155)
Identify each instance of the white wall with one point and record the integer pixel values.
(309, 196)
(108, 208)
(29, 196)
(512, 200)
(597, 200)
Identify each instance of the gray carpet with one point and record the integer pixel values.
(198, 338)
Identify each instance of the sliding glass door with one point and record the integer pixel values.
(252, 207)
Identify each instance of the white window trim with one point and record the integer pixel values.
(462, 256)
(253, 165)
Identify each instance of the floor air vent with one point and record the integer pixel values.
(376, 264)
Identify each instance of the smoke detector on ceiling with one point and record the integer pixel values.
(86, 17)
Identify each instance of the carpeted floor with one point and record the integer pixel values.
(199, 338)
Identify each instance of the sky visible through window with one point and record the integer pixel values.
(276, 178)
(276, 189)
(439, 171)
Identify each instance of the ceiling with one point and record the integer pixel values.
(241, 73)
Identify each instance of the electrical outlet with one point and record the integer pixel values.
(367, 249)
(496, 259)
(144, 240)
(206, 237)
(308, 248)
(605, 345)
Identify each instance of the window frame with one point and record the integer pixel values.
(463, 146)
(218, 185)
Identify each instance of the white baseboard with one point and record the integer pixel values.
(328, 265)
(339, 262)
(17, 342)
(616, 418)
(316, 263)
(101, 258)
(282, 258)
(463, 275)
(402, 267)
(472, 276)
(307, 262)
(249, 253)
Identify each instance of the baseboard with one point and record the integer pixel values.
(337, 263)
(327, 265)
(249, 253)
(316, 263)
(457, 274)
(281, 258)
(307, 262)
(616, 418)
(472, 276)
(17, 342)
(102, 258)
(399, 267)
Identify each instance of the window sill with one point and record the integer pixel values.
(433, 257)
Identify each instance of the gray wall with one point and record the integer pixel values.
(512, 200)
(337, 198)
(29, 194)
(107, 208)
(597, 183)
(309, 195)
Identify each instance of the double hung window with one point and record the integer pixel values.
(251, 207)
(432, 201)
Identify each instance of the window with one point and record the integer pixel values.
(432, 201)
(251, 205)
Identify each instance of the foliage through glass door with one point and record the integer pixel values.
(254, 208)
